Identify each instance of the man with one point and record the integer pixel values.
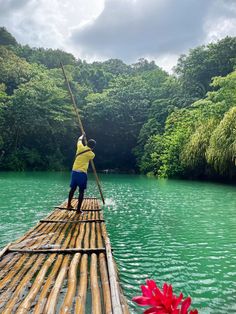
(79, 171)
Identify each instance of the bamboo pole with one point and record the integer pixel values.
(10, 305)
(42, 233)
(82, 292)
(30, 239)
(51, 305)
(24, 268)
(74, 236)
(39, 308)
(7, 263)
(73, 221)
(44, 237)
(4, 250)
(86, 237)
(9, 290)
(96, 299)
(115, 295)
(52, 300)
(74, 210)
(22, 274)
(72, 281)
(13, 273)
(72, 277)
(83, 283)
(104, 275)
(60, 251)
(82, 130)
(25, 305)
(5, 260)
(34, 229)
(92, 239)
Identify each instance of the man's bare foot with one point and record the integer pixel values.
(70, 207)
(80, 212)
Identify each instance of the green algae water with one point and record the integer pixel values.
(179, 232)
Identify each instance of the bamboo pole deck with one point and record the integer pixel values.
(62, 265)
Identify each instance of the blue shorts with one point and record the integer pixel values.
(78, 179)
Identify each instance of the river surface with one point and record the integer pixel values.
(179, 232)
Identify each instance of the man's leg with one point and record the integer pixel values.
(71, 194)
(80, 200)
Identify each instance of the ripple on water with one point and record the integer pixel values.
(179, 232)
(175, 231)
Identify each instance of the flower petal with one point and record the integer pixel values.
(151, 284)
(185, 305)
(177, 301)
(140, 300)
(146, 291)
(165, 288)
(151, 310)
(155, 310)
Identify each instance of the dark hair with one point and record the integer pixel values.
(91, 143)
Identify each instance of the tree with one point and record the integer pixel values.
(221, 152)
(143, 65)
(196, 70)
(115, 117)
(36, 123)
(6, 38)
(114, 66)
(50, 58)
(3, 100)
(13, 69)
(193, 154)
(150, 161)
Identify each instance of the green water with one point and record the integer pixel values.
(178, 232)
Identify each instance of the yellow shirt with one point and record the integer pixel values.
(81, 162)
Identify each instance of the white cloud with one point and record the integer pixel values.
(125, 29)
(129, 30)
(221, 20)
(47, 23)
(155, 29)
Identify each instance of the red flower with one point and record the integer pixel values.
(162, 302)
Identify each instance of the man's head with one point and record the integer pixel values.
(91, 143)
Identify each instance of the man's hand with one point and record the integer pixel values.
(82, 137)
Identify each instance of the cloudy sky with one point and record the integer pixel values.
(158, 30)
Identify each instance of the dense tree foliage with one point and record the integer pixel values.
(180, 125)
(6, 38)
(196, 69)
(48, 57)
(115, 118)
(198, 141)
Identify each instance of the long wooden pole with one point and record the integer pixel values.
(82, 130)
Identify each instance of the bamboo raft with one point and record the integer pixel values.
(62, 265)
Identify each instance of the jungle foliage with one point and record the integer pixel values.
(179, 125)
